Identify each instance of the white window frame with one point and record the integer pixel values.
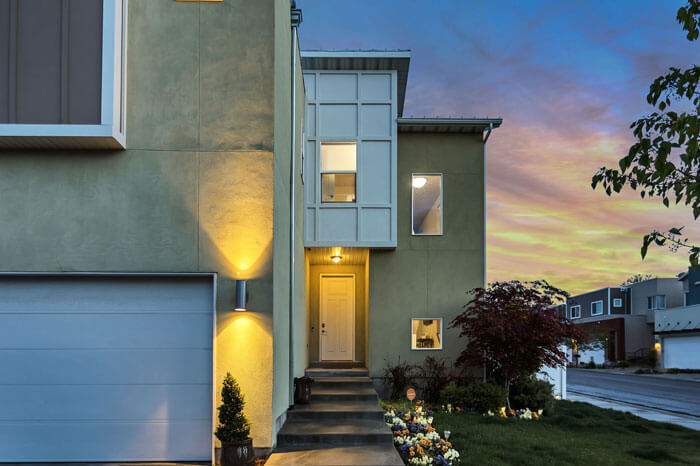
(601, 308)
(337, 172)
(617, 302)
(442, 207)
(655, 302)
(442, 335)
(113, 87)
(576, 307)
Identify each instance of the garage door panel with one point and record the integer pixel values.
(681, 352)
(86, 441)
(80, 331)
(104, 368)
(117, 366)
(105, 402)
(104, 295)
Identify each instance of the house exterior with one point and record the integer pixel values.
(624, 316)
(677, 329)
(186, 194)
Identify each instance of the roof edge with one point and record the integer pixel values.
(471, 122)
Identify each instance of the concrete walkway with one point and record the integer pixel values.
(691, 422)
(342, 425)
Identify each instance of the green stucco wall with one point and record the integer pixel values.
(202, 186)
(427, 276)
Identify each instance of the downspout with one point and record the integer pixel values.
(295, 21)
(483, 196)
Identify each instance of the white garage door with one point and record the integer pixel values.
(105, 368)
(681, 352)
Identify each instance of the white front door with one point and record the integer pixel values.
(337, 317)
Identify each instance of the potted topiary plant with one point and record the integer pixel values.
(234, 428)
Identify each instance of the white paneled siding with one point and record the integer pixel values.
(360, 107)
(106, 368)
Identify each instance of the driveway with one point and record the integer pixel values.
(668, 394)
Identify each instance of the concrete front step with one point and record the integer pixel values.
(341, 382)
(331, 372)
(334, 432)
(339, 410)
(343, 394)
(314, 454)
(337, 364)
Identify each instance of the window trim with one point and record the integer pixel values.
(112, 124)
(617, 302)
(601, 307)
(578, 308)
(336, 172)
(655, 302)
(410, 334)
(442, 209)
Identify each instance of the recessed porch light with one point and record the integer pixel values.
(336, 259)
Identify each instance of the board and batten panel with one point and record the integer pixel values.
(51, 52)
(360, 107)
(103, 368)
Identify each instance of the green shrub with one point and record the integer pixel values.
(590, 364)
(233, 425)
(399, 376)
(623, 364)
(652, 358)
(531, 392)
(480, 396)
(435, 377)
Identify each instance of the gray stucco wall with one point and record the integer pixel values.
(195, 191)
(427, 276)
(672, 288)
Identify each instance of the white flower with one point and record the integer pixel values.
(451, 454)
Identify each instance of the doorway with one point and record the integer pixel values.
(337, 317)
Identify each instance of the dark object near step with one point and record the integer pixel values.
(302, 389)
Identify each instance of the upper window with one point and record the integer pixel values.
(656, 302)
(617, 302)
(426, 203)
(426, 334)
(575, 312)
(596, 308)
(338, 171)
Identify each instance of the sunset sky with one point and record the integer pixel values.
(567, 78)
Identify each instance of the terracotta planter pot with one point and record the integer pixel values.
(237, 453)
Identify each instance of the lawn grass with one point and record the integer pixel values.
(574, 433)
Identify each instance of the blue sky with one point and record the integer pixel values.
(568, 78)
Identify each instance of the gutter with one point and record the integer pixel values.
(296, 19)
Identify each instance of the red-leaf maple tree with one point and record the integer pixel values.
(512, 329)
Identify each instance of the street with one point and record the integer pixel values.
(680, 396)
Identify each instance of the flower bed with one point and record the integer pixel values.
(518, 414)
(416, 439)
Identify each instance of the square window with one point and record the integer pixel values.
(337, 187)
(617, 302)
(426, 202)
(596, 308)
(338, 171)
(576, 312)
(426, 334)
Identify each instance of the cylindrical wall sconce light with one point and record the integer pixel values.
(241, 296)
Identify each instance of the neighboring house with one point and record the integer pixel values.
(677, 329)
(165, 164)
(623, 316)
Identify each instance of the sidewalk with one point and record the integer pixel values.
(691, 422)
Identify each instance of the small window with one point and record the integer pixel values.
(426, 334)
(426, 200)
(656, 302)
(596, 308)
(338, 171)
(617, 302)
(575, 312)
